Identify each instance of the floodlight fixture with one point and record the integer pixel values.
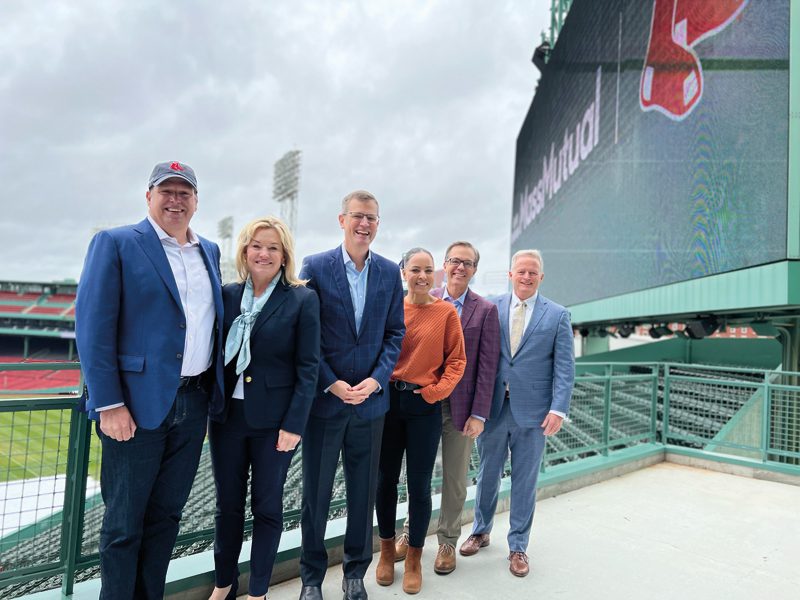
(541, 55)
(659, 331)
(702, 327)
(625, 330)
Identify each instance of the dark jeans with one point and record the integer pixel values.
(412, 426)
(145, 483)
(235, 449)
(359, 441)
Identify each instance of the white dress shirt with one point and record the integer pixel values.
(197, 299)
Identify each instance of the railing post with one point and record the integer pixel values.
(607, 407)
(765, 419)
(74, 497)
(665, 430)
(654, 405)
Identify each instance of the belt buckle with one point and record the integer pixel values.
(397, 386)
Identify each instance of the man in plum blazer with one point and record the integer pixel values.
(531, 398)
(361, 313)
(464, 413)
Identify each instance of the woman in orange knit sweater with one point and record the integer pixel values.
(431, 363)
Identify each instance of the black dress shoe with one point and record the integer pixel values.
(354, 589)
(311, 592)
(234, 589)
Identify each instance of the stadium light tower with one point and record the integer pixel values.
(285, 187)
(227, 264)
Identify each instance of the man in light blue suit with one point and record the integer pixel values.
(148, 317)
(531, 398)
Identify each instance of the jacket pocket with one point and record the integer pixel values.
(129, 362)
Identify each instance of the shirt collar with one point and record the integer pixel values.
(348, 260)
(460, 299)
(529, 302)
(163, 235)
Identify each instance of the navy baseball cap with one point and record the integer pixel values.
(168, 170)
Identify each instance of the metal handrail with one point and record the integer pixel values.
(613, 409)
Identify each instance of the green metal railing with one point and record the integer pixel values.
(49, 459)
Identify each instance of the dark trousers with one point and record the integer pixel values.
(359, 441)
(235, 449)
(413, 427)
(145, 483)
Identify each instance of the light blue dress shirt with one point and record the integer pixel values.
(357, 282)
(457, 302)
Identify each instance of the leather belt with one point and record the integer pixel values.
(191, 381)
(405, 386)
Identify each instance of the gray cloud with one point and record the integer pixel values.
(419, 102)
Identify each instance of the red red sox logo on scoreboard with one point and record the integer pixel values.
(672, 78)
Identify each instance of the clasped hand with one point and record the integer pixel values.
(355, 394)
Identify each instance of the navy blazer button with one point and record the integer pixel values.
(248, 379)
(179, 355)
(182, 325)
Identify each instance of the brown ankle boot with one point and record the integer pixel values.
(412, 578)
(384, 572)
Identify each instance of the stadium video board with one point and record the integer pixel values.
(656, 146)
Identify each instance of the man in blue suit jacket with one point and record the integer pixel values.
(148, 317)
(531, 398)
(361, 310)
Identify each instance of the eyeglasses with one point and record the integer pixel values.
(185, 196)
(468, 264)
(358, 216)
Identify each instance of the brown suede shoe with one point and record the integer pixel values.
(519, 564)
(400, 547)
(474, 543)
(445, 559)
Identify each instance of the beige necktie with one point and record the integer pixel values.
(517, 326)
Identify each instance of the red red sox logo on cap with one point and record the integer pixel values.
(176, 166)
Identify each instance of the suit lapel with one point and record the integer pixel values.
(278, 297)
(151, 245)
(502, 310)
(340, 277)
(235, 303)
(214, 276)
(373, 281)
(468, 309)
(540, 308)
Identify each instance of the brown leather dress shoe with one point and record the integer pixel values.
(445, 559)
(474, 543)
(519, 564)
(400, 547)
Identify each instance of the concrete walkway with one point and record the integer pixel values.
(668, 531)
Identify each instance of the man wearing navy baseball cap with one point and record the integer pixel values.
(148, 318)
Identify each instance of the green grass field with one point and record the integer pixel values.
(36, 443)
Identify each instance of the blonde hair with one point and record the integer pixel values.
(287, 245)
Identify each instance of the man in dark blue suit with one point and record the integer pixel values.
(361, 309)
(148, 317)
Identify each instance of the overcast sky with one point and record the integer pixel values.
(419, 102)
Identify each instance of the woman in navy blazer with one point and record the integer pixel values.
(272, 342)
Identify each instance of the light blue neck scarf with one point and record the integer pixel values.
(239, 335)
